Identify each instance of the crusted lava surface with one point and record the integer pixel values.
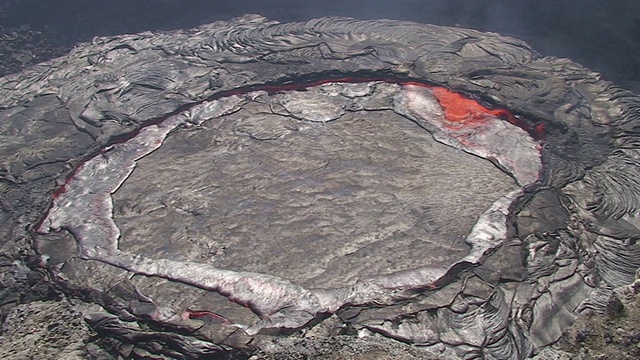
(219, 190)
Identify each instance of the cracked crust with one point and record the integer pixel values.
(529, 287)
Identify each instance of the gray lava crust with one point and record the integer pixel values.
(137, 178)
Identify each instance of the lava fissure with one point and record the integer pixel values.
(452, 119)
(460, 110)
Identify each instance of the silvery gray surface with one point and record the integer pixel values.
(339, 200)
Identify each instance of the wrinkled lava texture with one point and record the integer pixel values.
(244, 186)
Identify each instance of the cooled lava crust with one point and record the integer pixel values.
(250, 183)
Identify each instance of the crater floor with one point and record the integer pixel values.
(321, 204)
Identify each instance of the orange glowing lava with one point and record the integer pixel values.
(463, 111)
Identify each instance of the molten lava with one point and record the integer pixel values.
(459, 110)
(462, 112)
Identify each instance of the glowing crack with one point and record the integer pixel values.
(84, 207)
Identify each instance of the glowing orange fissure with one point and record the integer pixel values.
(460, 110)
(463, 110)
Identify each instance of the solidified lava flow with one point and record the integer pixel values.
(378, 176)
(462, 111)
(280, 302)
(457, 107)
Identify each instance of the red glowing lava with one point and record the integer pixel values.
(206, 315)
(460, 110)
